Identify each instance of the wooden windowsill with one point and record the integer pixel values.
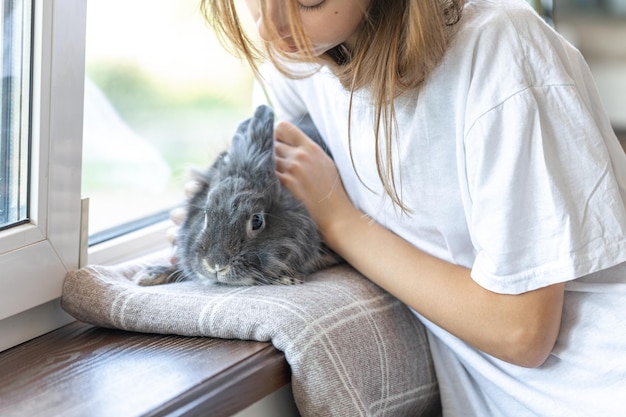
(82, 370)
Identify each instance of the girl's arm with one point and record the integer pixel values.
(520, 329)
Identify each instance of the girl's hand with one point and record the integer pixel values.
(311, 176)
(178, 215)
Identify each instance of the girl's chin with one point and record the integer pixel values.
(316, 51)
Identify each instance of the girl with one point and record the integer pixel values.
(475, 177)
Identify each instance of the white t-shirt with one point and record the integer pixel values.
(509, 166)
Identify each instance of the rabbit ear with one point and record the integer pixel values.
(261, 128)
(252, 147)
(242, 129)
(255, 135)
(241, 134)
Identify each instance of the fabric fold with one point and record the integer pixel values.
(353, 349)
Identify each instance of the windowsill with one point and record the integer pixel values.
(130, 246)
(81, 370)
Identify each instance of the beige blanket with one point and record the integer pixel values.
(354, 350)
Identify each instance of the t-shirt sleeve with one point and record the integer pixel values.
(545, 206)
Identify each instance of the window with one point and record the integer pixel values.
(15, 27)
(41, 161)
(43, 166)
(158, 100)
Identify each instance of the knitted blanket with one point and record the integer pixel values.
(353, 349)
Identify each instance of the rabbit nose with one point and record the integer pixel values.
(216, 269)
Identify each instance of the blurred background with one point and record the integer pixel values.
(598, 29)
(161, 96)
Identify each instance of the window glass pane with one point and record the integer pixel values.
(161, 96)
(15, 29)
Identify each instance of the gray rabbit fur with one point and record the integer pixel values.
(243, 227)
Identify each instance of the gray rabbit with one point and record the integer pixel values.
(243, 227)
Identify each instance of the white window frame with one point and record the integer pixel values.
(133, 245)
(35, 257)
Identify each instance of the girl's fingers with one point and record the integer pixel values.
(171, 234)
(284, 154)
(177, 215)
(289, 134)
(191, 187)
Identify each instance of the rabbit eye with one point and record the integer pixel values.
(257, 221)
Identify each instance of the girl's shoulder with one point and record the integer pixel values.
(501, 17)
(506, 40)
(499, 9)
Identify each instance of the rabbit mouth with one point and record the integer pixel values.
(217, 272)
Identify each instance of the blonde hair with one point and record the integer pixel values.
(399, 43)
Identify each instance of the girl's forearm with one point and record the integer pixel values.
(520, 329)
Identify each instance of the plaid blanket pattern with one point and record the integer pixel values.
(353, 349)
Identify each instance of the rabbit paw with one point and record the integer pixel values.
(155, 275)
(287, 280)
